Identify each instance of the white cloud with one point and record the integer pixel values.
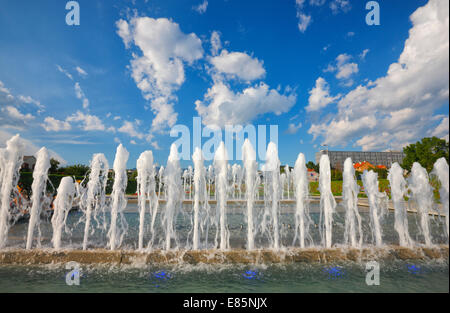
(319, 96)
(364, 53)
(130, 129)
(80, 95)
(222, 106)
(442, 129)
(81, 72)
(345, 68)
(30, 100)
(52, 124)
(90, 122)
(14, 113)
(239, 65)
(201, 8)
(158, 70)
(64, 71)
(293, 128)
(303, 21)
(216, 44)
(337, 6)
(350, 34)
(399, 106)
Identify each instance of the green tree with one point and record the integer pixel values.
(426, 152)
(74, 170)
(54, 165)
(312, 166)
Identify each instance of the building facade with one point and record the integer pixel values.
(337, 158)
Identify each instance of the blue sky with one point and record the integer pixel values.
(133, 69)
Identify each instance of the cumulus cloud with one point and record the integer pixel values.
(222, 106)
(442, 130)
(129, 128)
(14, 113)
(319, 96)
(52, 124)
(239, 65)
(364, 53)
(380, 115)
(201, 8)
(89, 122)
(158, 67)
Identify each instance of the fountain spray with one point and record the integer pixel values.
(301, 189)
(370, 182)
(350, 190)
(327, 202)
(119, 202)
(62, 205)
(39, 186)
(10, 162)
(250, 166)
(95, 197)
(441, 171)
(398, 191)
(221, 185)
(145, 190)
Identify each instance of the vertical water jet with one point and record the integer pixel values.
(327, 202)
(61, 207)
(301, 194)
(350, 190)
(221, 185)
(398, 191)
(250, 167)
(39, 186)
(118, 225)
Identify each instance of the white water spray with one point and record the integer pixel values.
(327, 202)
(39, 186)
(250, 167)
(441, 171)
(95, 196)
(61, 207)
(145, 190)
(10, 162)
(118, 224)
(398, 191)
(272, 168)
(221, 185)
(370, 182)
(200, 196)
(173, 189)
(422, 193)
(301, 189)
(350, 190)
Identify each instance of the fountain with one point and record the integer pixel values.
(220, 167)
(10, 163)
(377, 209)
(212, 201)
(422, 194)
(398, 192)
(39, 186)
(350, 190)
(301, 187)
(94, 200)
(119, 202)
(62, 205)
(272, 188)
(327, 202)
(145, 190)
(172, 182)
(200, 195)
(441, 171)
(250, 167)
